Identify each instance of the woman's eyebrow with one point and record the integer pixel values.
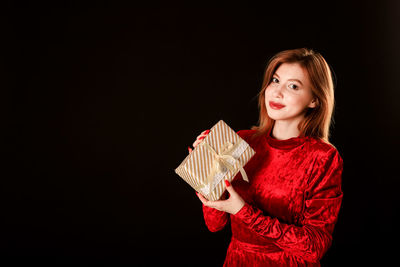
(291, 79)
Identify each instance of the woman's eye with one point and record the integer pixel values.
(293, 86)
(274, 80)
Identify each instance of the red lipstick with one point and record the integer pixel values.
(274, 105)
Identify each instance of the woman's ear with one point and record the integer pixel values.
(313, 103)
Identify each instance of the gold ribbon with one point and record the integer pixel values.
(221, 162)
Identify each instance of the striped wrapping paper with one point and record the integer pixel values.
(202, 170)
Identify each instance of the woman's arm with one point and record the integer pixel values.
(215, 220)
(313, 236)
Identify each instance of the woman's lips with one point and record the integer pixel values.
(274, 105)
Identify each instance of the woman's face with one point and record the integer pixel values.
(290, 91)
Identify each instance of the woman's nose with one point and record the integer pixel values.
(278, 90)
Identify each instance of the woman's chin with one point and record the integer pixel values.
(273, 115)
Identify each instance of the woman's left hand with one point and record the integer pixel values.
(231, 205)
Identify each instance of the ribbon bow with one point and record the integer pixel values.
(223, 161)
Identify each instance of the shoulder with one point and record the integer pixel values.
(324, 153)
(322, 148)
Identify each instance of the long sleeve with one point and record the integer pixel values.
(312, 235)
(215, 219)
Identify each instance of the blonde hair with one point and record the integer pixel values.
(317, 120)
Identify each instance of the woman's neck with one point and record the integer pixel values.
(285, 130)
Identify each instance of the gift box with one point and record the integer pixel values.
(220, 155)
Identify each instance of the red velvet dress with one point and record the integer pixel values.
(292, 203)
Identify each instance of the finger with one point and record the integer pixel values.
(196, 143)
(229, 187)
(201, 137)
(198, 195)
(202, 199)
(190, 150)
(212, 204)
(198, 140)
(205, 132)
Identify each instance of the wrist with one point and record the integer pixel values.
(241, 207)
(243, 211)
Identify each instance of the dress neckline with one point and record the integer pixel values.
(286, 143)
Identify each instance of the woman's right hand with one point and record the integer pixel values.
(199, 139)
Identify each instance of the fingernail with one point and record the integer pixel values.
(227, 183)
(197, 193)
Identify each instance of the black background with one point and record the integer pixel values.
(103, 100)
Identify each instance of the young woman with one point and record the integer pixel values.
(286, 214)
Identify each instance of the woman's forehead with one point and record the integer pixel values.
(291, 71)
